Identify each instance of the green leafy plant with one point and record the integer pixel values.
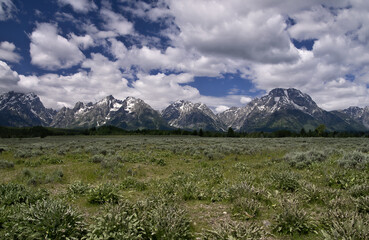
(149, 219)
(103, 193)
(13, 193)
(293, 220)
(345, 225)
(287, 181)
(228, 230)
(362, 204)
(246, 208)
(46, 219)
(78, 188)
(133, 183)
(6, 164)
(354, 159)
(301, 160)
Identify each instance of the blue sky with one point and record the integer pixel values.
(222, 53)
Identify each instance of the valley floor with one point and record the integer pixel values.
(151, 187)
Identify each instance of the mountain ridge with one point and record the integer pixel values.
(280, 109)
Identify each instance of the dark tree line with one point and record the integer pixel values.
(39, 131)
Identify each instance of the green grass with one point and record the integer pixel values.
(216, 188)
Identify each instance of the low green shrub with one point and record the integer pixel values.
(51, 159)
(246, 208)
(46, 219)
(6, 164)
(228, 230)
(97, 158)
(362, 204)
(304, 159)
(355, 159)
(311, 193)
(244, 189)
(345, 225)
(293, 220)
(149, 219)
(111, 163)
(133, 183)
(4, 217)
(242, 167)
(287, 181)
(36, 177)
(344, 179)
(359, 190)
(12, 193)
(78, 188)
(104, 193)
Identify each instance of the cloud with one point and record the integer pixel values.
(83, 42)
(52, 51)
(229, 29)
(154, 11)
(8, 77)
(7, 52)
(221, 108)
(245, 100)
(98, 78)
(116, 22)
(7, 10)
(82, 6)
(161, 89)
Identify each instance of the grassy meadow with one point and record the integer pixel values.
(156, 187)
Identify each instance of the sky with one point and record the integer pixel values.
(221, 53)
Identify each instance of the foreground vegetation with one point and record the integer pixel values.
(152, 187)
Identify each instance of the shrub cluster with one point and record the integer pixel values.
(46, 219)
(104, 193)
(150, 219)
(293, 220)
(345, 225)
(287, 181)
(6, 164)
(304, 159)
(354, 159)
(36, 177)
(13, 193)
(227, 230)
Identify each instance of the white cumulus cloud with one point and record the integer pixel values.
(82, 6)
(51, 51)
(116, 22)
(7, 52)
(7, 9)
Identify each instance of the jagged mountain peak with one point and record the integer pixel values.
(79, 105)
(188, 115)
(131, 113)
(23, 109)
(358, 114)
(17, 96)
(281, 99)
(283, 109)
(106, 100)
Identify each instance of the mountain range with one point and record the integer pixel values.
(280, 109)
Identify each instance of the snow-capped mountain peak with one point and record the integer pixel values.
(25, 109)
(188, 115)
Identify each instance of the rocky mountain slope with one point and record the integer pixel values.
(187, 115)
(130, 114)
(288, 109)
(19, 109)
(358, 114)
